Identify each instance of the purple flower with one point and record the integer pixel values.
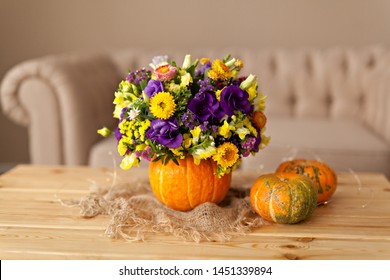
(203, 69)
(258, 141)
(204, 85)
(165, 132)
(234, 99)
(153, 87)
(147, 154)
(139, 75)
(249, 144)
(205, 106)
(117, 134)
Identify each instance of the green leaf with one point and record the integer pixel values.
(175, 161)
(143, 84)
(191, 69)
(156, 159)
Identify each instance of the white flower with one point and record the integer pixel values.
(158, 61)
(249, 81)
(133, 114)
(187, 61)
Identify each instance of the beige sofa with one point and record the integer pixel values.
(331, 104)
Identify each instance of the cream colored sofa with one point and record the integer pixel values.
(331, 104)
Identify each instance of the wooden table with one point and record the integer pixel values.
(35, 225)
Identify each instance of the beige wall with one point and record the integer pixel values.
(34, 28)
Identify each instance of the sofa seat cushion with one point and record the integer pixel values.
(344, 144)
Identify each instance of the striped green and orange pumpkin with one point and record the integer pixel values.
(321, 173)
(284, 198)
(187, 185)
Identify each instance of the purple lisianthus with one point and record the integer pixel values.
(233, 98)
(205, 106)
(153, 87)
(165, 132)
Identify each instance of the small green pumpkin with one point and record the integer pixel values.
(284, 198)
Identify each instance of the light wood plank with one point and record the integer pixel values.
(355, 224)
(78, 244)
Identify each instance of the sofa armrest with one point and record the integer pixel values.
(377, 114)
(63, 100)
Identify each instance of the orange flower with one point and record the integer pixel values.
(219, 71)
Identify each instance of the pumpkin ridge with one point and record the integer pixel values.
(309, 209)
(290, 209)
(305, 195)
(255, 200)
(188, 181)
(213, 183)
(271, 207)
(160, 186)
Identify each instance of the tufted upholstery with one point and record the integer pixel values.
(64, 99)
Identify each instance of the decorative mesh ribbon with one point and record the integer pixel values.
(135, 213)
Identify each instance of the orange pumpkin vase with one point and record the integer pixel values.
(283, 198)
(187, 185)
(321, 173)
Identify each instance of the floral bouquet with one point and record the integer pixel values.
(202, 109)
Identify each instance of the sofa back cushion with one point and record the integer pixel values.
(298, 82)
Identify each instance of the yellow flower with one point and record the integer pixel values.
(248, 124)
(162, 105)
(261, 102)
(122, 147)
(225, 129)
(121, 101)
(140, 147)
(242, 132)
(129, 161)
(104, 131)
(218, 94)
(226, 155)
(204, 60)
(250, 85)
(187, 140)
(142, 129)
(174, 87)
(186, 79)
(125, 86)
(203, 153)
(219, 71)
(195, 134)
(252, 91)
(239, 64)
(119, 107)
(178, 152)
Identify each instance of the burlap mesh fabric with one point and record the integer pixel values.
(135, 214)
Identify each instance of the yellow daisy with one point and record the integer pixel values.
(226, 155)
(162, 105)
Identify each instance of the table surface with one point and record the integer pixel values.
(355, 224)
